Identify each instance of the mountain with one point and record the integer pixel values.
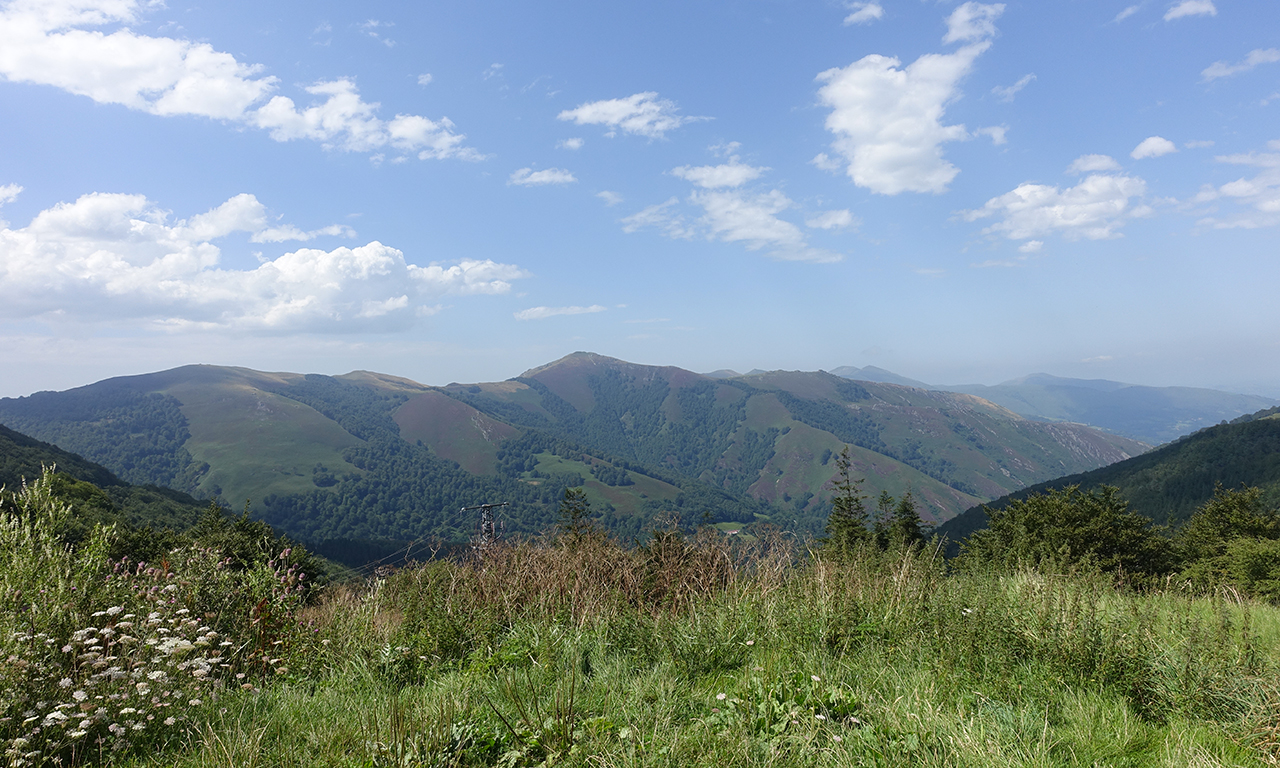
(1153, 415)
(872, 373)
(1170, 482)
(367, 455)
(96, 494)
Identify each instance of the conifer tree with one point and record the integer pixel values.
(847, 526)
(906, 529)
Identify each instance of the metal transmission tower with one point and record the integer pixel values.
(490, 529)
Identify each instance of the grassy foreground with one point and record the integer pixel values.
(698, 653)
(702, 650)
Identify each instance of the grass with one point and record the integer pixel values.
(711, 653)
(705, 650)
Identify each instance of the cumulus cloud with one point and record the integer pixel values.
(732, 213)
(643, 114)
(9, 193)
(1031, 246)
(731, 174)
(1261, 194)
(609, 198)
(527, 177)
(972, 21)
(1153, 146)
(1006, 93)
(116, 257)
(887, 119)
(1191, 8)
(864, 13)
(1223, 69)
(570, 144)
(1092, 163)
(59, 43)
(842, 219)
(1095, 209)
(541, 313)
(425, 78)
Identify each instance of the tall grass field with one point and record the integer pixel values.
(693, 649)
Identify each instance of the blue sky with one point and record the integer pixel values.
(458, 191)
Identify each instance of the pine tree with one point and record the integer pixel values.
(847, 526)
(575, 515)
(883, 520)
(906, 529)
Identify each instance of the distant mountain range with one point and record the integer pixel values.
(368, 455)
(1170, 482)
(1153, 415)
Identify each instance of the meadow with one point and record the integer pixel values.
(572, 649)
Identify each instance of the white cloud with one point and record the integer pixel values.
(1191, 8)
(57, 43)
(527, 177)
(540, 313)
(425, 78)
(1198, 144)
(832, 220)
(371, 28)
(996, 132)
(643, 114)
(731, 174)
(1260, 193)
(1007, 93)
(662, 216)
(1094, 209)
(732, 216)
(864, 13)
(290, 232)
(609, 198)
(1126, 13)
(825, 162)
(1031, 246)
(9, 193)
(570, 144)
(1255, 57)
(888, 120)
(1153, 146)
(115, 257)
(1092, 163)
(972, 21)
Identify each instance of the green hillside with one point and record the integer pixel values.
(1170, 482)
(368, 456)
(95, 493)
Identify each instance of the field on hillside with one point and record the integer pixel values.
(574, 650)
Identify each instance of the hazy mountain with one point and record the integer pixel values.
(372, 455)
(1168, 483)
(1153, 415)
(872, 373)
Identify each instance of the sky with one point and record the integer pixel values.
(459, 191)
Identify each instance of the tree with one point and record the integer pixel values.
(883, 519)
(575, 515)
(1232, 540)
(906, 529)
(847, 526)
(1069, 527)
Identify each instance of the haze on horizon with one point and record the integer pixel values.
(956, 192)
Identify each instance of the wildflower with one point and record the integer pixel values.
(815, 678)
(65, 682)
(113, 610)
(79, 695)
(721, 697)
(170, 720)
(751, 642)
(820, 717)
(837, 739)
